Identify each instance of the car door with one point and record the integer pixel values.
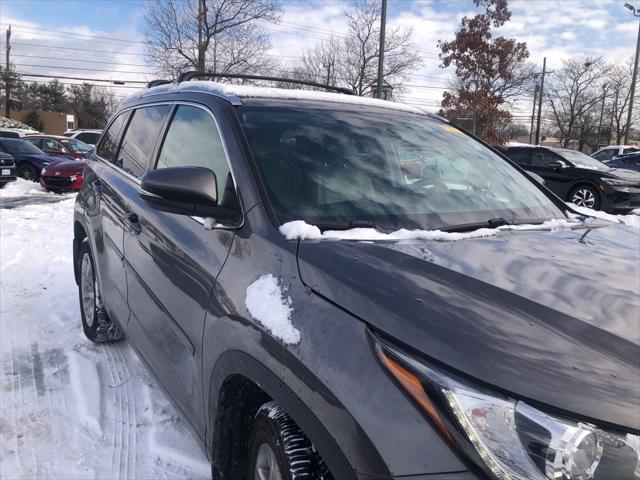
(172, 263)
(107, 211)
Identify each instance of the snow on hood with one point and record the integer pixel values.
(300, 230)
(250, 91)
(271, 307)
(633, 219)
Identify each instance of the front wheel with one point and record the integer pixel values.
(28, 172)
(97, 325)
(278, 450)
(585, 196)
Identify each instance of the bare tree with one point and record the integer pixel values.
(618, 81)
(209, 35)
(572, 92)
(352, 61)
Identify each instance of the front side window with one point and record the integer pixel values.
(391, 170)
(108, 147)
(542, 158)
(140, 139)
(629, 150)
(193, 140)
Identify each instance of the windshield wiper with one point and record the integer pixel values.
(468, 227)
(344, 225)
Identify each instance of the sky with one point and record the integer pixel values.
(102, 39)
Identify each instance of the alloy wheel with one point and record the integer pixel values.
(267, 467)
(88, 283)
(28, 173)
(583, 197)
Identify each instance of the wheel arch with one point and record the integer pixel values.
(239, 385)
(79, 235)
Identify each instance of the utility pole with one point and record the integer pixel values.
(633, 80)
(7, 77)
(540, 94)
(614, 110)
(604, 96)
(533, 112)
(383, 22)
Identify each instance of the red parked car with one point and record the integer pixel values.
(63, 176)
(59, 146)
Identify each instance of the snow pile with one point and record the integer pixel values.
(268, 305)
(21, 188)
(69, 408)
(11, 123)
(301, 230)
(633, 219)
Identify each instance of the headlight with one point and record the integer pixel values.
(507, 438)
(616, 182)
(44, 171)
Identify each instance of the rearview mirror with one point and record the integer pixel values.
(183, 190)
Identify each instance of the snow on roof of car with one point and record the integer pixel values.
(250, 91)
(518, 144)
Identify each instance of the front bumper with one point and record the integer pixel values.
(7, 174)
(623, 198)
(62, 183)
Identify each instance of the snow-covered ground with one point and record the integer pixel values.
(70, 409)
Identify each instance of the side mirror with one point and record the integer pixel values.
(183, 190)
(556, 165)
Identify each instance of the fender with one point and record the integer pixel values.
(239, 363)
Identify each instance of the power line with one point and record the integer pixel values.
(58, 47)
(78, 68)
(79, 60)
(41, 75)
(67, 33)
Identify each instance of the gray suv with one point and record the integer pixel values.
(334, 287)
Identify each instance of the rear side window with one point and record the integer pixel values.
(140, 139)
(193, 140)
(88, 137)
(629, 150)
(9, 135)
(109, 145)
(34, 141)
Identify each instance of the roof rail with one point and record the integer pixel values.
(186, 76)
(155, 83)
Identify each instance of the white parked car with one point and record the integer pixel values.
(607, 153)
(16, 132)
(86, 135)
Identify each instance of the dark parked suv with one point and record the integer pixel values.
(337, 288)
(579, 178)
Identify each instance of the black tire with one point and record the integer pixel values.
(295, 455)
(97, 325)
(585, 196)
(28, 172)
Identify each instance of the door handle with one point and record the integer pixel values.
(132, 223)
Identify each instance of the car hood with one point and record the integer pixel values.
(552, 317)
(37, 157)
(66, 167)
(624, 174)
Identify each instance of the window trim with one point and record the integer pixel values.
(158, 147)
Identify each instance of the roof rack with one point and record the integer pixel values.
(186, 76)
(155, 83)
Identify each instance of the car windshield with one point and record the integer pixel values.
(75, 145)
(20, 146)
(580, 159)
(385, 169)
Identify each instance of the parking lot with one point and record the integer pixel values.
(71, 409)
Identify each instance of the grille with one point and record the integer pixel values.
(57, 181)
